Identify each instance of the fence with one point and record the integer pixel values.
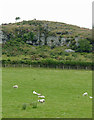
(49, 66)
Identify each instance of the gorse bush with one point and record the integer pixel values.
(24, 106)
(34, 104)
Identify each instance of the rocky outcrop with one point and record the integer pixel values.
(52, 41)
(0, 36)
(39, 39)
(3, 38)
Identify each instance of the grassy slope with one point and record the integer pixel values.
(43, 52)
(32, 25)
(63, 90)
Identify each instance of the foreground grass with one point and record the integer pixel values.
(63, 90)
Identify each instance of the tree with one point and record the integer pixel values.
(84, 46)
(17, 18)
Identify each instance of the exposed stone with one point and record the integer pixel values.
(51, 40)
(42, 35)
(77, 39)
(42, 40)
(3, 38)
(29, 42)
(68, 43)
(63, 41)
(69, 50)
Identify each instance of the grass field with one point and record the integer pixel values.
(62, 89)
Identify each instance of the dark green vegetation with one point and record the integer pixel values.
(25, 51)
(63, 90)
(46, 57)
(15, 47)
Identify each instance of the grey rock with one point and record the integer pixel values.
(42, 40)
(77, 39)
(51, 40)
(69, 50)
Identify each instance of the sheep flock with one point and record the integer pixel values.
(42, 98)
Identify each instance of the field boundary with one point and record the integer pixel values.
(48, 66)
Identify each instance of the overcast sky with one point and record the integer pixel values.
(76, 12)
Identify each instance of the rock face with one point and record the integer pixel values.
(3, 38)
(0, 36)
(40, 33)
(76, 39)
(63, 41)
(52, 41)
(43, 39)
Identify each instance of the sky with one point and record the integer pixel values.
(75, 12)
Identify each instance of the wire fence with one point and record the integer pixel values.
(49, 66)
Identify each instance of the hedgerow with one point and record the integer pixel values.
(50, 63)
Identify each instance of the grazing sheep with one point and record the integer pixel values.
(41, 96)
(34, 92)
(90, 97)
(38, 94)
(15, 86)
(41, 100)
(85, 94)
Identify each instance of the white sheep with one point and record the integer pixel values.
(34, 92)
(85, 94)
(90, 97)
(38, 94)
(15, 86)
(41, 96)
(41, 100)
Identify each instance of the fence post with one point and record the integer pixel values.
(77, 67)
(86, 67)
(56, 66)
(63, 66)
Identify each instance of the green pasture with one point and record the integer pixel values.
(63, 91)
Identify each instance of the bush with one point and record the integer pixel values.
(84, 46)
(34, 104)
(24, 106)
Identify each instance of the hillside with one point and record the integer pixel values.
(43, 29)
(36, 40)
